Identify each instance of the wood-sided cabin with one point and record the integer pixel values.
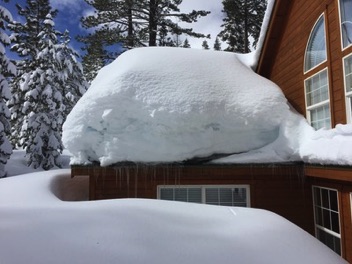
(307, 51)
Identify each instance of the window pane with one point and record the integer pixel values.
(346, 22)
(326, 214)
(317, 88)
(325, 198)
(329, 240)
(195, 195)
(335, 225)
(212, 196)
(320, 117)
(333, 201)
(316, 49)
(180, 194)
(167, 194)
(226, 196)
(348, 73)
(317, 197)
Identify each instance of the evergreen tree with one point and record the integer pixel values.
(70, 73)
(6, 69)
(134, 23)
(243, 19)
(217, 44)
(96, 55)
(44, 107)
(186, 44)
(205, 45)
(50, 82)
(25, 42)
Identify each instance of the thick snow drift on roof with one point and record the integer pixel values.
(37, 227)
(173, 104)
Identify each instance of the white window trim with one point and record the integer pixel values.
(340, 22)
(326, 102)
(310, 35)
(316, 226)
(348, 95)
(203, 187)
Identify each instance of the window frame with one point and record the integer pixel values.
(340, 26)
(348, 95)
(320, 104)
(203, 187)
(308, 42)
(322, 228)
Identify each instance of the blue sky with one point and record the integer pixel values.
(70, 12)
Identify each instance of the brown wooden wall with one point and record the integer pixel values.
(281, 189)
(283, 60)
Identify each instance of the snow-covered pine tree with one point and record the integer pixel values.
(217, 44)
(25, 42)
(70, 74)
(205, 45)
(7, 69)
(44, 104)
(243, 19)
(51, 81)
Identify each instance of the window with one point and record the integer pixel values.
(227, 195)
(317, 100)
(327, 220)
(347, 62)
(346, 22)
(316, 48)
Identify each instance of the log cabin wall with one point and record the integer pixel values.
(278, 188)
(282, 58)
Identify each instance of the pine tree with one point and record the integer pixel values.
(134, 23)
(50, 82)
(242, 21)
(6, 69)
(217, 44)
(44, 107)
(186, 44)
(205, 45)
(96, 55)
(25, 42)
(70, 73)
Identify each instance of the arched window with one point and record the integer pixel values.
(346, 22)
(316, 48)
(316, 84)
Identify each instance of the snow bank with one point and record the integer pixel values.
(37, 227)
(169, 104)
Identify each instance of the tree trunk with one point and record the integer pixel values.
(152, 22)
(130, 37)
(246, 49)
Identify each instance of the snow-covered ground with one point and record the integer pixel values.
(43, 219)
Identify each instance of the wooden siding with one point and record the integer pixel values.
(284, 64)
(278, 188)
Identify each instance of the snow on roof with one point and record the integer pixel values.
(38, 227)
(173, 104)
